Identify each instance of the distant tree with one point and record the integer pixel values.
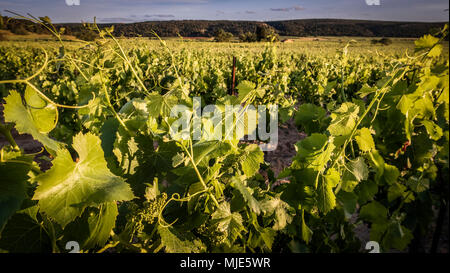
(223, 36)
(266, 33)
(383, 41)
(195, 28)
(86, 35)
(248, 37)
(19, 30)
(2, 35)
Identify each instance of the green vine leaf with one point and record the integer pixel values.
(374, 212)
(251, 159)
(13, 186)
(344, 119)
(174, 241)
(247, 194)
(313, 152)
(24, 234)
(228, 222)
(326, 200)
(36, 122)
(306, 231)
(68, 187)
(312, 118)
(245, 89)
(279, 210)
(365, 140)
(94, 227)
(355, 172)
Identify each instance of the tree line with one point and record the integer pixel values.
(245, 30)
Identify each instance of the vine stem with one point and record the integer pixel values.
(177, 198)
(108, 246)
(126, 59)
(108, 100)
(355, 128)
(33, 168)
(191, 158)
(117, 238)
(55, 33)
(175, 68)
(51, 101)
(6, 131)
(369, 108)
(41, 94)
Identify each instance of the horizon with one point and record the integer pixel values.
(138, 11)
(239, 20)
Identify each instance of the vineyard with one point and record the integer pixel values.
(370, 126)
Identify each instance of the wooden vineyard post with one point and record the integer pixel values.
(233, 83)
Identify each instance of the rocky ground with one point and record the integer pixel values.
(281, 158)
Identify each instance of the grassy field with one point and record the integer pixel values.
(297, 45)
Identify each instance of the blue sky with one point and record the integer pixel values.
(125, 11)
